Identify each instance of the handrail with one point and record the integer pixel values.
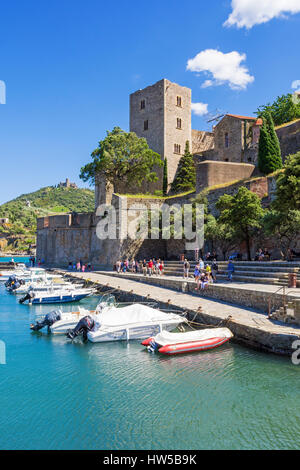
(283, 300)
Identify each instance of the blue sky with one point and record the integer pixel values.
(70, 66)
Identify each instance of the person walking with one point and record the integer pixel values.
(186, 268)
(197, 275)
(201, 265)
(150, 267)
(161, 268)
(214, 270)
(144, 267)
(230, 270)
(208, 271)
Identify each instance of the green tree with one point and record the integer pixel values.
(284, 225)
(243, 213)
(269, 154)
(165, 177)
(185, 178)
(122, 156)
(222, 235)
(288, 185)
(283, 109)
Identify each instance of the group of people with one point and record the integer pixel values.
(79, 266)
(262, 255)
(32, 262)
(147, 268)
(203, 273)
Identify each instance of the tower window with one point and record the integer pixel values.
(178, 123)
(179, 101)
(143, 104)
(177, 148)
(226, 140)
(146, 125)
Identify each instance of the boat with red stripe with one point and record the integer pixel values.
(190, 341)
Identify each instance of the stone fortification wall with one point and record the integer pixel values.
(210, 173)
(289, 138)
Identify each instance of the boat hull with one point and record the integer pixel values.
(132, 332)
(58, 299)
(194, 346)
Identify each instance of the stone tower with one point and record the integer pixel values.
(162, 114)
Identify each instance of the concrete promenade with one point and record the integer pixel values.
(262, 297)
(249, 325)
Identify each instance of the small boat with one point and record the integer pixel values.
(59, 322)
(5, 275)
(190, 341)
(43, 287)
(134, 321)
(59, 296)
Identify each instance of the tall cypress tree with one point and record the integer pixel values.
(269, 154)
(185, 178)
(165, 177)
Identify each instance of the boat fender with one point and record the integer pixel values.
(147, 341)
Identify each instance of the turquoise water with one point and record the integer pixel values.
(58, 395)
(17, 259)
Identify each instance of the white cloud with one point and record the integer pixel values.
(225, 68)
(200, 109)
(207, 83)
(247, 13)
(296, 84)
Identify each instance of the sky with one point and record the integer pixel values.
(67, 69)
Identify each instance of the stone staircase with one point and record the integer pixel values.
(288, 313)
(269, 272)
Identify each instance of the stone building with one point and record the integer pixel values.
(67, 184)
(235, 139)
(161, 113)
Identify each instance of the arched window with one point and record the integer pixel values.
(226, 140)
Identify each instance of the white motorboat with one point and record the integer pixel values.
(5, 275)
(59, 322)
(59, 296)
(136, 321)
(44, 287)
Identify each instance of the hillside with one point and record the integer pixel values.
(19, 233)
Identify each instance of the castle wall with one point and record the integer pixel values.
(289, 138)
(211, 173)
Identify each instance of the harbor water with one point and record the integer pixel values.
(56, 394)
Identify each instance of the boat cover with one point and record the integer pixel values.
(136, 313)
(164, 338)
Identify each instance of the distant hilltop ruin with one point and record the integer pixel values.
(67, 184)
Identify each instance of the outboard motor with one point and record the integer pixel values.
(10, 281)
(83, 326)
(49, 319)
(29, 296)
